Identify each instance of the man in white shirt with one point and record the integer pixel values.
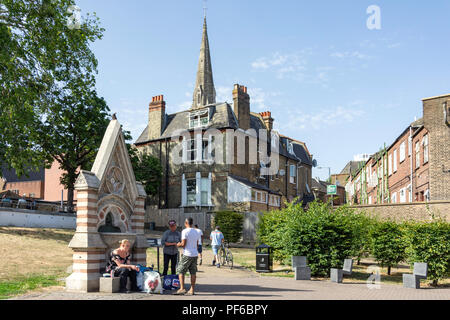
(189, 241)
(200, 246)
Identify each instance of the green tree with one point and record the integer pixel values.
(387, 243)
(49, 108)
(73, 135)
(147, 169)
(324, 236)
(230, 223)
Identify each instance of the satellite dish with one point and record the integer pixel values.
(314, 163)
(282, 172)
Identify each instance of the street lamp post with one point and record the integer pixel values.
(329, 177)
(329, 171)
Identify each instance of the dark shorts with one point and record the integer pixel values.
(200, 248)
(187, 264)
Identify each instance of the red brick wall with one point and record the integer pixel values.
(53, 186)
(402, 177)
(421, 174)
(27, 188)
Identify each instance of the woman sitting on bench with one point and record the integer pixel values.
(119, 263)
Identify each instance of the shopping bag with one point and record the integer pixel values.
(140, 276)
(152, 282)
(171, 282)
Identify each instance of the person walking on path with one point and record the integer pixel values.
(200, 246)
(217, 239)
(169, 240)
(188, 262)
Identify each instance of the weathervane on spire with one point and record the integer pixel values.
(205, 7)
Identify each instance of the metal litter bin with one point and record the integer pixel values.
(264, 258)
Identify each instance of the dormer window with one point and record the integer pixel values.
(199, 119)
(290, 147)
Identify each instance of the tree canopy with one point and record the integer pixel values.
(49, 109)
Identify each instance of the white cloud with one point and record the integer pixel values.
(350, 54)
(224, 94)
(260, 99)
(394, 45)
(321, 119)
(284, 65)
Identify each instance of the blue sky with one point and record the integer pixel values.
(327, 79)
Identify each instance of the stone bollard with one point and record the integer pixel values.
(336, 275)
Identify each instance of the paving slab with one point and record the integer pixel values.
(239, 284)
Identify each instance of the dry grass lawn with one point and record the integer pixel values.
(35, 258)
(28, 252)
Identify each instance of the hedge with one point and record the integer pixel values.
(326, 237)
(387, 243)
(430, 243)
(230, 223)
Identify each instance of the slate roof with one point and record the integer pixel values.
(352, 166)
(319, 185)
(221, 116)
(10, 175)
(253, 185)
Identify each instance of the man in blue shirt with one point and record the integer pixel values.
(217, 239)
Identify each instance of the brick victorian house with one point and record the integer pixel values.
(414, 168)
(198, 185)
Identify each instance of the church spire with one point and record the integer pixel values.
(204, 91)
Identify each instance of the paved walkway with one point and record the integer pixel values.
(239, 283)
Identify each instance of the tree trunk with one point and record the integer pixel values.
(389, 270)
(70, 199)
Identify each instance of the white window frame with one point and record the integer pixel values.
(395, 161)
(274, 200)
(402, 195)
(402, 151)
(417, 154)
(425, 148)
(409, 146)
(196, 117)
(426, 195)
(191, 194)
(263, 196)
(292, 174)
(394, 197)
(390, 164)
(196, 197)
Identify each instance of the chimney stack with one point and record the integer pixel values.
(241, 101)
(156, 117)
(268, 120)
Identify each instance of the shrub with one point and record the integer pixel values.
(272, 226)
(324, 236)
(387, 243)
(430, 243)
(230, 223)
(362, 225)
